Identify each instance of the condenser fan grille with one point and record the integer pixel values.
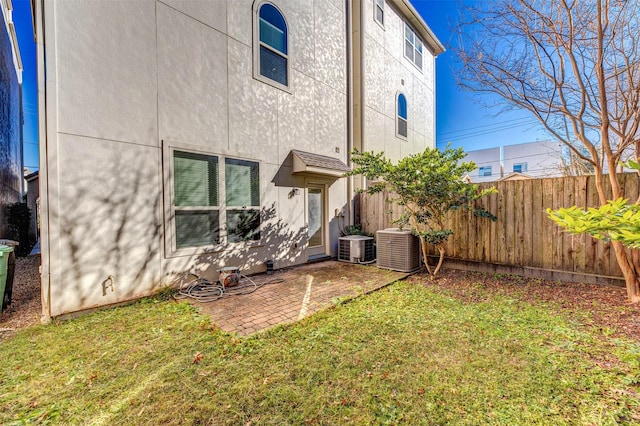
(356, 249)
(398, 250)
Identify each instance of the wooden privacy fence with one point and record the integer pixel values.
(523, 239)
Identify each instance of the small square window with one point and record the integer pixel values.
(520, 168)
(484, 171)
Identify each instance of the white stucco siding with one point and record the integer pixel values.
(212, 13)
(240, 20)
(104, 90)
(330, 122)
(386, 73)
(253, 108)
(302, 20)
(330, 45)
(192, 80)
(296, 116)
(105, 216)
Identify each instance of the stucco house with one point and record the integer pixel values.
(11, 157)
(538, 159)
(189, 135)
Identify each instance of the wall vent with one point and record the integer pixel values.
(356, 249)
(398, 250)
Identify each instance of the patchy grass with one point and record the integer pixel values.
(406, 354)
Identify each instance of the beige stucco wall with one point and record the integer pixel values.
(126, 82)
(385, 73)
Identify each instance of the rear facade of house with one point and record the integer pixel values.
(186, 135)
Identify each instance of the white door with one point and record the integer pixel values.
(316, 218)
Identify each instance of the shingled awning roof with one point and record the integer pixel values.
(316, 164)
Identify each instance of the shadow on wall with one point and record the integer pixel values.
(106, 230)
(279, 242)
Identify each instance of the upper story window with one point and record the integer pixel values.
(520, 168)
(401, 129)
(412, 46)
(378, 11)
(272, 53)
(484, 171)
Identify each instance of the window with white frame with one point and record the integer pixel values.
(272, 53)
(402, 127)
(484, 171)
(412, 46)
(242, 187)
(198, 191)
(378, 11)
(520, 168)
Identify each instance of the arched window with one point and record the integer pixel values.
(273, 45)
(402, 115)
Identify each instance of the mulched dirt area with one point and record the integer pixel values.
(25, 308)
(609, 307)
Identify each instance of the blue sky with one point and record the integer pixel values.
(459, 118)
(24, 30)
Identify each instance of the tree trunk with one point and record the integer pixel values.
(628, 264)
(433, 272)
(425, 256)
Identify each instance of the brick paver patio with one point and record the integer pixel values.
(303, 291)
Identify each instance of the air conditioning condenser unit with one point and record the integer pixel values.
(398, 250)
(356, 249)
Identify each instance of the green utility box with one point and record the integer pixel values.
(5, 253)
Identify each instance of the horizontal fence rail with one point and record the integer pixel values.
(522, 237)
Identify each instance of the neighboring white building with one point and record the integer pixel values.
(187, 135)
(533, 159)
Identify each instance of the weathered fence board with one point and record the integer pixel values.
(523, 236)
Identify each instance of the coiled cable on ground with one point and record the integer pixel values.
(203, 290)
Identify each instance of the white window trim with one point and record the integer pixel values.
(375, 10)
(415, 37)
(398, 135)
(256, 48)
(171, 249)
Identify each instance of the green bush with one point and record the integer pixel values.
(19, 218)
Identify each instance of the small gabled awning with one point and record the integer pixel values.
(316, 164)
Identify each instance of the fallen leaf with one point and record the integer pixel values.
(197, 357)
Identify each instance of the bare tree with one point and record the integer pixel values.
(575, 65)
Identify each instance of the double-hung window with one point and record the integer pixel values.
(412, 46)
(401, 128)
(378, 11)
(200, 185)
(197, 210)
(242, 187)
(272, 55)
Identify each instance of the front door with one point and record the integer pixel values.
(316, 220)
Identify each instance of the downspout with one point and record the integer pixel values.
(349, 29)
(38, 10)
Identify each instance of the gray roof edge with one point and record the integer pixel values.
(321, 160)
